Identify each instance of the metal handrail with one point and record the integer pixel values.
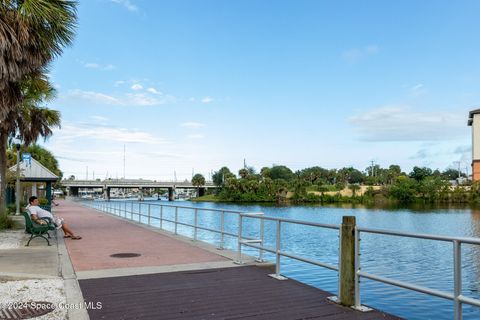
(116, 208)
(258, 243)
(456, 296)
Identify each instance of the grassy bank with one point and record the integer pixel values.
(206, 198)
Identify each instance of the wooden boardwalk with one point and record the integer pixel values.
(228, 293)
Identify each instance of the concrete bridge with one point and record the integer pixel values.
(73, 186)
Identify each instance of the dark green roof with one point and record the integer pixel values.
(470, 116)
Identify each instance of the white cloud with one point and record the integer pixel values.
(137, 87)
(127, 4)
(92, 65)
(357, 54)
(153, 90)
(129, 99)
(192, 125)
(401, 123)
(74, 131)
(207, 100)
(94, 97)
(195, 136)
(140, 99)
(99, 118)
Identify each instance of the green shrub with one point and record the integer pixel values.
(6, 221)
(11, 207)
(42, 201)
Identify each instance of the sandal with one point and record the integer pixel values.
(76, 237)
(67, 236)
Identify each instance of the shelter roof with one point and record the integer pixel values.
(34, 171)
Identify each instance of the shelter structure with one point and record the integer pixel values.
(34, 172)
(474, 122)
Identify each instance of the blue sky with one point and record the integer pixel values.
(195, 85)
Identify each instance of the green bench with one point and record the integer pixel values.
(36, 230)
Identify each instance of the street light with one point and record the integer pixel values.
(17, 195)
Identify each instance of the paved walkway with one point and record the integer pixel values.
(104, 235)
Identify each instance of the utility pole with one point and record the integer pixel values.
(17, 191)
(371, 168)
(244, 164)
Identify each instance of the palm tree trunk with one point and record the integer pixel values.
(3, 169)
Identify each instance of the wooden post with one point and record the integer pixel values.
(347, 265)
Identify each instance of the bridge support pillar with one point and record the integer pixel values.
(106, 193)
(171, 194)
(140, 195)
(74, 191)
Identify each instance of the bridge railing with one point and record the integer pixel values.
(127, 210)
(121, 183)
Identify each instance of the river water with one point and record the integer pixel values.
(421, 262)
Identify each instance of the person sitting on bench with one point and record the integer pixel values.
(38, 214)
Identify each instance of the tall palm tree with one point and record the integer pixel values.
(28, 121)
(198, 180)
(32, 33)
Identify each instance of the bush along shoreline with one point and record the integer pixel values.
(279, 184)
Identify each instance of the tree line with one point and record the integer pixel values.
(316, 184)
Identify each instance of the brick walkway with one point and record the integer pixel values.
(103, 236)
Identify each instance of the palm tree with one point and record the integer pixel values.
(28, 121)
(198, 180)
(32, 33)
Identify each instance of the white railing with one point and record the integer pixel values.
(126, 210)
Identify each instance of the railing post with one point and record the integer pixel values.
(161, 217)
(277, 251)
(278, 247)
(139, 212)
(131, 210)
(125, 211)
(195, 225)
(347, 270)
(176, 219)
(239, 243)
(262, 236)
(357, 269)
(457, 279)
(222, 230)
(149, 206)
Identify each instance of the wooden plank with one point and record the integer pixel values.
(230, 293)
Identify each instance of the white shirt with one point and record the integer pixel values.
(39, 212)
